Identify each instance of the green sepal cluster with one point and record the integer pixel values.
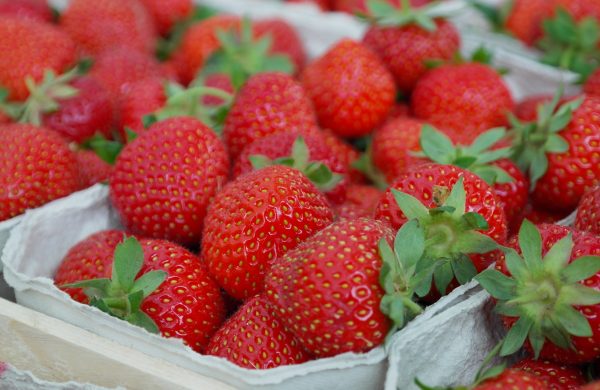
(477, 157)
(242, 56)
(365, 165)
(571, 45)
(122, 295)
(495, 15)
(384, 14)
(318, 173)
(541, 292)
(109, 149)
(532, 141)
(451, 234)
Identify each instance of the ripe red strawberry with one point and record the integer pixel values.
(453, 205)
(285, 40)
(344, 152)
(406, 44)
(178, 297)
(526, 110)
(37, 10)
(268, 103)
(592, 84)
(164, 180)
(285, 146)
(36, 167)
(554, 376)
(400, 109)
(200, 41)
(255, 338)
(580, 8)
(525, 18)
(34, 47)
(143, 97)
(327, 292)
(92, 169)
(350, 88)
(361, 201)
(254, 220)
(469, 97)
(105, 24)
(537, 216)
(588, 212)
(554, 280)
(220, 81)
(514, 193)
(166, 13)
(512, 379)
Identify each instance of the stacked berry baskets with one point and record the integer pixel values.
(275, 196)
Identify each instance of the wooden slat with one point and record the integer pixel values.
(56, 351)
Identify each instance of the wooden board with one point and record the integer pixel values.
(56, 351)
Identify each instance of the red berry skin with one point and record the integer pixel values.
(217, 80)
(513, 379)
(554, 376)
(344, 152)
(268, 103)
(525, 19)
(588, 212)
(33, 47)
(254, 337)
(513, 196)
(37, 10)
(142, 98)
(586, 349)
(526, 110)
(36, 167)
(256, 219)
(572, 173)
(468, 97)
(92, 169)
(420, 182)
(85, 115)
(280, 145)
(592, 84)
(285, 40)
(166, 13)
(105, 24)
(405, 50)
(165, 179)
(350, 88)
(90, 258)
(361, 201)
(327, 290)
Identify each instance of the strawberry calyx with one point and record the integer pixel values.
(476, 157)
(122, 295)
(318, 173)
(571, 45)
(542, 292)
(384, 14)
(451, 234)
(532, 141)
(400, 275)
(495, 15)
(365, 165)
(108, 149)
(241, 55)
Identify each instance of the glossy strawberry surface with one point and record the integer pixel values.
(92, 169)
(588, 212)
(512, 379)
(555, 376)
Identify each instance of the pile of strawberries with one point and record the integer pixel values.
(279, 210)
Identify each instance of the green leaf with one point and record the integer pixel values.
(516, 336)
(581, 268)
(556, 144)
(410, 206)
(507, 310)
(537, 340)
(530, 242)
(464, 269)
(464, 161)
(141, 319)
(538, 167)
(486, 140)
(105, 149)
(97, 287)
(442, 276)
(514, 262)
(475, 242)
(129, 258)
(409, 243)
(573, 321)
(278, 63)
(436, 145)
(457, 197)
(322, 177)
(475, 221)
(149, 282)
(389, 266)
(135, 300)
(497, 284)
(558, 255)
(427, 267)
(260, 161)
(491, 373)
(579, 295)
(300, 153)
(482, 56)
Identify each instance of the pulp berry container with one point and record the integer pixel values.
(14, 379)
(37, 245)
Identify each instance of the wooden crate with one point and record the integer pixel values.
(56, 351)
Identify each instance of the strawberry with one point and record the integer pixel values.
(285, 40)
(165, 14)
(344, 152)
(527, 109)
(537, 216)
(200, 41)
(592, 84)
(588, 212)
(92, 169)
(154, 284)
(400, 109)
(524, 20)
(350, 88)
(554, 376)
(102, 24)
(255, 219)
(164, 180)
(512, 379)
(361, 201)
(580, 9)
(143, 97)
(468, 98)
(406, 39)
(255, 338)
(591, 386)
(34, 47)
(220, 81)
(307, 154)
(560, 152)
(36, 167)
(549, 277)
(327, 292)
(37, 10)
(268, 103)
(460, 216)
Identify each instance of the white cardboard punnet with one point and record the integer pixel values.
(13, 379)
